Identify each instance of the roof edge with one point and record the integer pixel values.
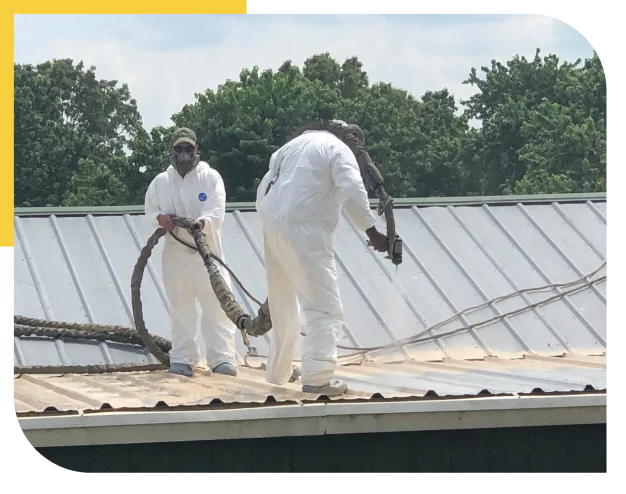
(399, 203)
(314, 419)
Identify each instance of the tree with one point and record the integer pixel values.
(415, 144)
(564, 152)
(322, 67)
(353, 80)
(543, 126)
(150, 153)
(79, 140)
(241, 124)
(71, 130)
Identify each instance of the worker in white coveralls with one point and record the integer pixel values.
(310, 179)
(191, 188)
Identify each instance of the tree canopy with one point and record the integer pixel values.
(535, 126)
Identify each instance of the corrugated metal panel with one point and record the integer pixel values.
(400, 380)
(78, 268)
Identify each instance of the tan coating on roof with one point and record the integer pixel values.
(407, 379)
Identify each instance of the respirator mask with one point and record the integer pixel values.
(184, 158)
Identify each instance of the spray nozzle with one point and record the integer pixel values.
(395, 251)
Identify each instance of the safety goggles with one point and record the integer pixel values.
(184, 149)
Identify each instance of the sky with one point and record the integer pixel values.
(167, 59)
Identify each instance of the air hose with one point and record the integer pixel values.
(157, 346)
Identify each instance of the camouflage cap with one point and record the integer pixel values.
(183, 134)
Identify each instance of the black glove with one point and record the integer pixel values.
(198, 225)
(377, 240)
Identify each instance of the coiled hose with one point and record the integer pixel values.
(157, 346)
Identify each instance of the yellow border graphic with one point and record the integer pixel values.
(67, 7)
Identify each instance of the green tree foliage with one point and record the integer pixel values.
(541, 129)
(415, 143)
(71, 130)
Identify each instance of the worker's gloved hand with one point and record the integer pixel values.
(198, 225)
(165, 222)
(377, 240)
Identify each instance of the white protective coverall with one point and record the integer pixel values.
(200, 195)
(314, 175)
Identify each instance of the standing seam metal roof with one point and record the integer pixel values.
(77, 268)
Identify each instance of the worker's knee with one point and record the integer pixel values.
(327, 316)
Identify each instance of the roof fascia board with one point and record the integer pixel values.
(314, 419)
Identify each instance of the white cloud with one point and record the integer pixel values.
(415, 55)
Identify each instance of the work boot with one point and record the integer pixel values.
(297, 373)
(181, 369)
(226, 368)
(334, 388)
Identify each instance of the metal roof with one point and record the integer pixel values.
(73, 266)
(410, 380)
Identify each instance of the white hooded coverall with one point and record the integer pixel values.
(200, 195)
(313, 176)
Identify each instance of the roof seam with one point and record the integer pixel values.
(398, 203)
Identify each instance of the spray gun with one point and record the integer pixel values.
(395, 250)
(385, 206)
